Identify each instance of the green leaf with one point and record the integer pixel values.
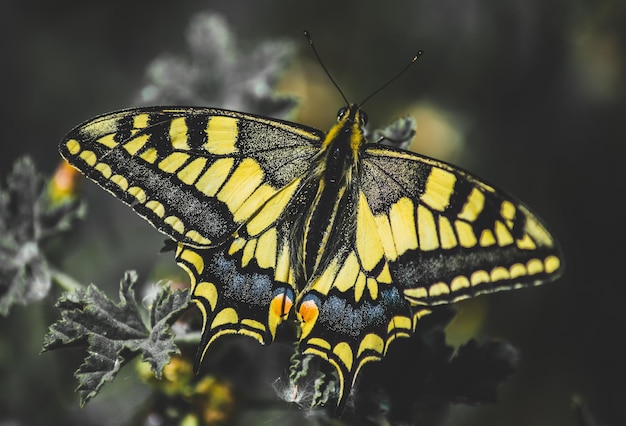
(115, 333)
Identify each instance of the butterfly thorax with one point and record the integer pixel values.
(331, 188)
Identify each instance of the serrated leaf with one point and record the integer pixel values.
(166, 305)
(478, 369)
(115, 333)
(59, 217)
(217, 73)
(423, 375)
(19, 200)
(24, 273)
(398, 134)
(27, 216)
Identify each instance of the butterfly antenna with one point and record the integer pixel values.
(394, 78)
(308, 37)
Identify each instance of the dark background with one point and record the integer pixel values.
(535, 90)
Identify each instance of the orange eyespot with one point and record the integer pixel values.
(308, 311)
(281, 305)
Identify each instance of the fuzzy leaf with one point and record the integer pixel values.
(24, 274)
(114, 333)
(398, 134)
(55, 217)
(479, 369)
(422, 376)
(217, 73)
(18, 201)
(27, 215)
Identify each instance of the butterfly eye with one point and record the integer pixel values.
(363, 118)
(341, 113)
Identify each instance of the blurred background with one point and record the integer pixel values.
(527, 94)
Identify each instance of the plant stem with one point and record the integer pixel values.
(65, 281)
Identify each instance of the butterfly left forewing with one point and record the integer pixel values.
(196, 174)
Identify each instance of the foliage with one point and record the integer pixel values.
(218, 73)
(423, 376)
(398, 134)
(29, 214)
(115, 333)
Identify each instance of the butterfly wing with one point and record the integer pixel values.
(216, 182)
(248, 285)
(196, 174)
(447, 235)
(426, 234)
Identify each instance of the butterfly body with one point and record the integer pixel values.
(275, 220)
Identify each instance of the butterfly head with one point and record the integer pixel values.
(349, 127)
(352, 114)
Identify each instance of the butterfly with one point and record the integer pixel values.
(276, 221)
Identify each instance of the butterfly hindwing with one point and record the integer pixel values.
(248, 285)
(352, 310)
(234, 299)
(196, 174)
